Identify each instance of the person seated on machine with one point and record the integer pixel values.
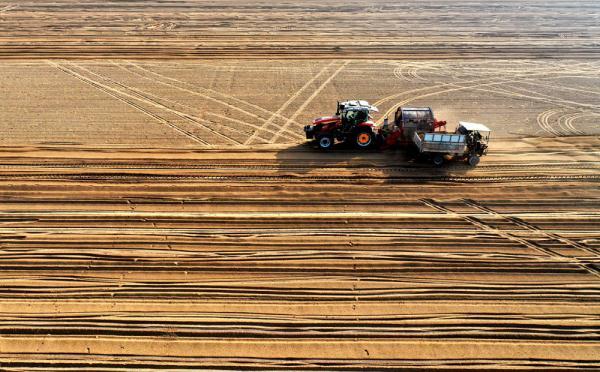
(348, 120)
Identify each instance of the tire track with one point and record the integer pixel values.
(543, 121)
(145, 97)
(412, 71)
(286, 104)
(519, 222)
(255, 127)
(111, 92)
(543, 118)
(524, 241)
(205, 96)
(308, 101)
(568, 123)
(562, 122)
(452, 87)
(564, 102)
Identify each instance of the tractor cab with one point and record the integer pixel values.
(353, 113)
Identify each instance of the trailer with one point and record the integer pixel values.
(440, 142)
(469, 142)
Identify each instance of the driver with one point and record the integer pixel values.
(350, 119)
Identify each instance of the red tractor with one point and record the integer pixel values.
(352, 123)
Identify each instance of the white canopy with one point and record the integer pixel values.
(359, 103)
(474, 127)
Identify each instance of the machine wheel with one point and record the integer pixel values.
(325, 141)
(473, 160)
(364, 138)
(438, 160)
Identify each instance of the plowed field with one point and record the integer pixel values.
(308, 29)
(159, 208)
(291, 258)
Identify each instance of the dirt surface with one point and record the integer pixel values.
(300, 29)
(239, 103)
(292, 258)
(159, 207)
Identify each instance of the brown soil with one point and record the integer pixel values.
(432, 29)
(286, 257)
(161, 209)
(239, 103)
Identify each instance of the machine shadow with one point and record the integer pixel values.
(389, 166)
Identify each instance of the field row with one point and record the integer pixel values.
(307, 29)
(106, 272)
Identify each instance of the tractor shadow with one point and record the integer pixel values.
(307, 158)
(385, 166)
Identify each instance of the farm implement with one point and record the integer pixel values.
(414, 129)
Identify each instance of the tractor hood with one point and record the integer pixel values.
(369, 123)
(325, 119)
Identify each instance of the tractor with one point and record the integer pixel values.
(352, 123)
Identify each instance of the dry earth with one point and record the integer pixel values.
(430, 29)
(239, 102)
(159, 208)
(290, 258)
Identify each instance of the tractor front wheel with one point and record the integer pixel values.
(325, 141)
(364, 138)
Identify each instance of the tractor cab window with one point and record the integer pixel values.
(362, 116)
(353, 117)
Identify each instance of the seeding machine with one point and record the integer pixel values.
(412, 128)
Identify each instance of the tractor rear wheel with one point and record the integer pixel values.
(364, 138)
(325, 141)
